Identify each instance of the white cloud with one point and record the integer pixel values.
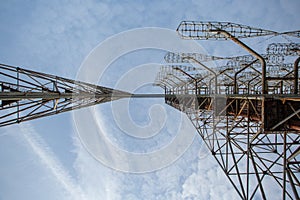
(50, 162)
(208, 182)
(96, 180)
(193, 176)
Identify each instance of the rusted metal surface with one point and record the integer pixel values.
(296, 75)
(251, 122)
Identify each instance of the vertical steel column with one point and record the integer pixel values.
(284, 166)
(296, 75)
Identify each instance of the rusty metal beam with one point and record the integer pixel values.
(252, 52)
(296, 75)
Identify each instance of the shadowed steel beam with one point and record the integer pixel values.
(286, 119)
(296, 75)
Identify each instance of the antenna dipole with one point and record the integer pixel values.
(198, 30)
(273, 58)
(285, 49)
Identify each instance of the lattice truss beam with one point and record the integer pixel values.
(253, 134)
(210, 30)
(27, 95)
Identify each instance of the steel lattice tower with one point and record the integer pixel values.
(247, 111)
(27, 95)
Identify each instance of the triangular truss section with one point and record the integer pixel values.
(27, 95)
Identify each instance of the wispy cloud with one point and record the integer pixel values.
(195, 175)
(50, 162)
(96, 180)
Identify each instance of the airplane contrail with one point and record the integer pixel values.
(51, 162)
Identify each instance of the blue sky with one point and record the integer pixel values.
(44, 159)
